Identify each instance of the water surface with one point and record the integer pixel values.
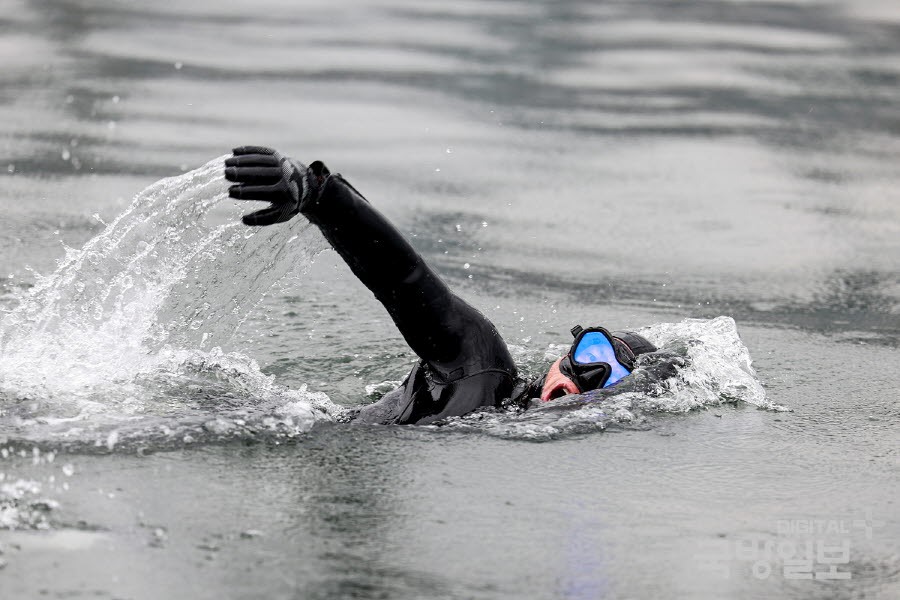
(627, 164)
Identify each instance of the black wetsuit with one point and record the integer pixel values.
(464, 363)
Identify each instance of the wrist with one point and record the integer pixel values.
(315, 177)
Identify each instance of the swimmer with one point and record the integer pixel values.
(464, 364)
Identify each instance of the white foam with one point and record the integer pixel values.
(719, 367)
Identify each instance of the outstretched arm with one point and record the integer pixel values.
(441, 328)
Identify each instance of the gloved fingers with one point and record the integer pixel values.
(252, 150)
(277, 213)
(268, 193)
(253, 174)
(252, 160)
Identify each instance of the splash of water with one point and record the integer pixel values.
(701, 363)
(122, 341)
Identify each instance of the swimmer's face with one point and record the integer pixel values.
(595, 360)
(556, 384)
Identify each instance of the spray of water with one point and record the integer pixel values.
(123, 340)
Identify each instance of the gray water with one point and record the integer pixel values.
(170, 382)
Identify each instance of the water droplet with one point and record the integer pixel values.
(458, 227)
(115, 99)
(466, 266)
(484, 223)
(11, 168)
(449, 151)
(66, 155)
(178, 66)
(437, 170)
(68, 470)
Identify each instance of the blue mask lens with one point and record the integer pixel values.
(595, 347)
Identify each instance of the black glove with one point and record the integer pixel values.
(267, 175)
